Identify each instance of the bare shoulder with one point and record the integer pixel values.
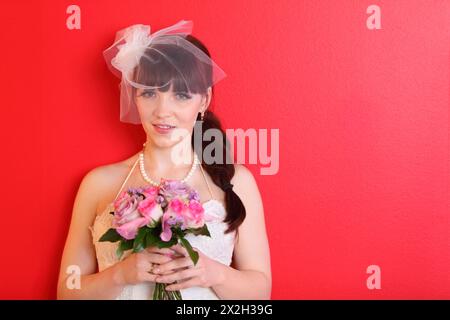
(103, 175)
(246, 187)
(103, 181)
(243, 180)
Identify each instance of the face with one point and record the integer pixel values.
(178, 110)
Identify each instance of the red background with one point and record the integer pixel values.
(362, 114)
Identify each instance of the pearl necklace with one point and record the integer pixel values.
(152, 182)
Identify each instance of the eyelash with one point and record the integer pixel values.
(184, 96)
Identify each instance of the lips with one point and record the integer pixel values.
(163, 128)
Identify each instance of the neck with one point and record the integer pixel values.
(169, 163)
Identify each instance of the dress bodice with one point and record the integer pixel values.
(218, 247)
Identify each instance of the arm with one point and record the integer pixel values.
(249, 277)
(79, 251)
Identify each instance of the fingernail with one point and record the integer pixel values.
(156, 270)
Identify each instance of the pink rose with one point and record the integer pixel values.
(177, 205)
(173, 216)
(130, 229)
(151, 192)
(127, 219)
(120, 198)
(150, 210)
(194, 216)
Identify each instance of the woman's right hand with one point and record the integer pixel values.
(137, 267)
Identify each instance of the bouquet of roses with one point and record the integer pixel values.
(157, 216)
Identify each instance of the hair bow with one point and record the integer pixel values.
(137, 39)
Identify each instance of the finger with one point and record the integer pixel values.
(164, 273)
(146, 266)
(158, 258)
(193, 282)
(179, 275)
(178, 248)
(164, 251)
(159, 250)
(150, 268)
(174, 264)
(146, 276)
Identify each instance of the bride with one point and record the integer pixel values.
(167, 86)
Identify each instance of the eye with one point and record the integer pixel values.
(147, 93)
(183, 96)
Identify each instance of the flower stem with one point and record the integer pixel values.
(160, 293)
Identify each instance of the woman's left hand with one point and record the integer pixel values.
(206, 273)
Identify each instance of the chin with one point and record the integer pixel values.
(165, 141)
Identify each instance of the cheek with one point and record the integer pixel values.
(142, 107)
(188, 118)
(188, 114)
(145, 111)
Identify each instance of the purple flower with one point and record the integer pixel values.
(127, 218)
(174, 188)
(194, 196)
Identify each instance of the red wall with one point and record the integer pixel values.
(363, 119)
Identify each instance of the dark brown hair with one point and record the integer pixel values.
(199, 77)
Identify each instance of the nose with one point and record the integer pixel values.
(163, 105)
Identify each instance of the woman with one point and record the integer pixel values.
(167, 86)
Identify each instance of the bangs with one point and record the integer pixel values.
(169, 66)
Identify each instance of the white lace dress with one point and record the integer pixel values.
(218, 247)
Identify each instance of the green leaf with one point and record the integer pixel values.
(124, 245)
(156, 235)
(119, 252)
(151, 240)
(111, 235)
(138, 243)
(203, 231)
(193, 254)
(178, 232)
(167, 244)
